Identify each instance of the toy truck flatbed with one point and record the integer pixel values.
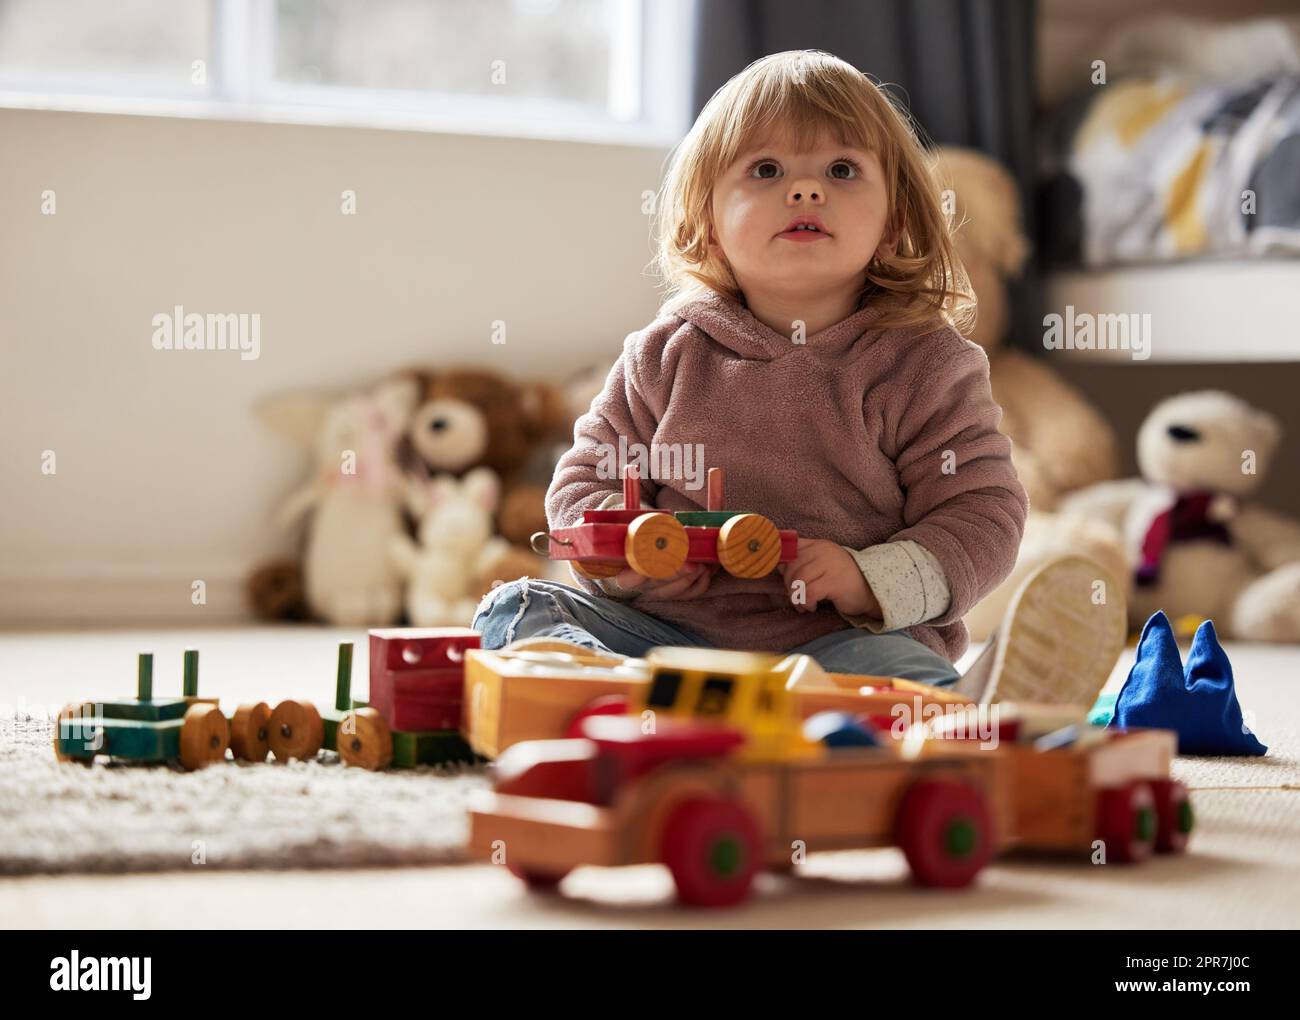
(535, 693)
(1079, 788)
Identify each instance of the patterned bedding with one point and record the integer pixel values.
(1152, 169)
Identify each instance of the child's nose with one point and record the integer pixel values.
(804, 188)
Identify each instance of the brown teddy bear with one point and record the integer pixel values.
(464, 418)
(470, 418)
(1060, 442)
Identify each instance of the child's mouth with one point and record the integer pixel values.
(804, 235)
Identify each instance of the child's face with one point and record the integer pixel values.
(770, 186)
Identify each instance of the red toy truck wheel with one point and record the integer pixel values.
(610, 704)
(711, 846)
(656, 545)
(1174, 817)
(749, 546)
(945, 832)
(1127, 822)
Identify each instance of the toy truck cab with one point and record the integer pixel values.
(743, 690)
(698, 704)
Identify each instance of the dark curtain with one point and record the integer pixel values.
(964, 68)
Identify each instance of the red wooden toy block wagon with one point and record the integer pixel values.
(657, 543)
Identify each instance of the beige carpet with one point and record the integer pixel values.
(1243, 871)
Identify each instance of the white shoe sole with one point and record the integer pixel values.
(1061, 636)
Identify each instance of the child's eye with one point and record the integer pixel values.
(845, 169)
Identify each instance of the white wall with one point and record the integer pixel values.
(163, 476)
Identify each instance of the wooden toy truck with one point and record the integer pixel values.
(723, 782)
(188, 730)
(413, 714)
(1077, 786)
(657, 543)
(719, 781)
(413, 717)
(540, 691)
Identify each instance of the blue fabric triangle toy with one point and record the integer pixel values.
(1200, 705)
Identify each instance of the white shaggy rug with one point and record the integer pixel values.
(65, 817)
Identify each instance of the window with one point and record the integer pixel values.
(715, 695)
(609, 70)
(664, 686)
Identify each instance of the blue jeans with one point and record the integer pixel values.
(532, 608)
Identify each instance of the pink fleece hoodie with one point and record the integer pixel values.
(859, 435)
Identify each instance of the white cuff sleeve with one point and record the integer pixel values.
(907, 581)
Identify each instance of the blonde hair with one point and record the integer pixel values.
(804, 94)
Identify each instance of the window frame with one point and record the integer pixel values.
(655, 39)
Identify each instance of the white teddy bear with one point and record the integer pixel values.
(1193, 545)
(456, 548)
(354, 500)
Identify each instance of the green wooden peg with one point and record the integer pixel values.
(191, 681)
(343, 687)
(144, 679)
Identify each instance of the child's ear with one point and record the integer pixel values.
(893, 233)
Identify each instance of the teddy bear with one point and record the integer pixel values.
(469, 418)
(1060, 442)
(354, 500)
(456, 547)
(1194, 545)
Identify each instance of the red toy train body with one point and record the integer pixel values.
(657, 543)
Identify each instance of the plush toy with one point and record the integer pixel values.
(1193, 543)
(354, 500)
(456, 547)
(469, 418)
(1060, 442)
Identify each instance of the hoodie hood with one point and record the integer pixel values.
(731, 324)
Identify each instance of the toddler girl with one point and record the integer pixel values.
(809, 346)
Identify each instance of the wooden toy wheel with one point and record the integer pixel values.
(73, 711)
(365, 740)
(1127, 822)
(656, 545)
(1174, 817)
(205, 735)
(250, 729)
(749, 546)
(711, 846)
(610, 704)
(945, 832)
(296, 730)
(592, 571)
(538, 881)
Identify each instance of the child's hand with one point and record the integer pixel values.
(828, 572)
(690, 582)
